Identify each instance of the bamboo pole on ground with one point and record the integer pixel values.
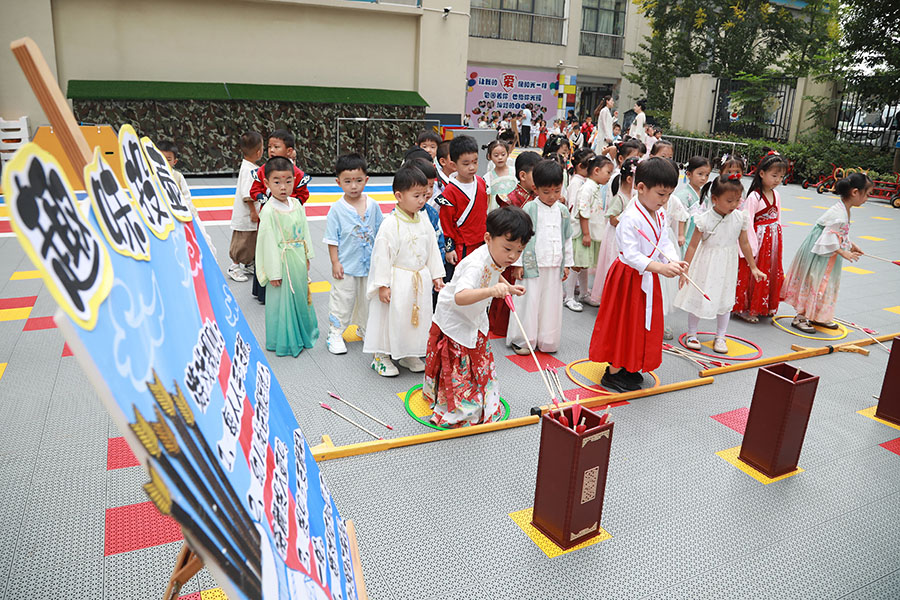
(613, 398)
(808, 353)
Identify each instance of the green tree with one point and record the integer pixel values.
(868, 56)
(742, 36)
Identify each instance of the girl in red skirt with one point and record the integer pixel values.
(763, 206)
(628, 333)
(460, 379)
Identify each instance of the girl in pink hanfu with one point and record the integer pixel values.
(813, 280)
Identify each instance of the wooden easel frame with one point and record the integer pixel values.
(78, 151)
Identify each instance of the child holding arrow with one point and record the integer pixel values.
(460, 379)
(714, 265)
(628, 333)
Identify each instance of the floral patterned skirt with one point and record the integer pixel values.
(460, 383)
(813, 280)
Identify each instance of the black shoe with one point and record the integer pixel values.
(618, 382)
(635, 378)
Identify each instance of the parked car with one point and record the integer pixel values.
(875, 128)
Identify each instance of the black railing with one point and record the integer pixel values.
(518, 26)
(767, 118)
(603, 45)
(858, 122)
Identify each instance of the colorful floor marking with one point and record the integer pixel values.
(731, 457)
(801, 223)
(213, 594)
(38, 323)
(786, 209)
(417, 403)
(119, 455)
(871, 238)
(869, 413)
(583, 395)
(66, 351)
(23, 302)
(884, 218)
(522, 518)
(820, 207)
(351, 334)
(15, 314)
(19, 275)
(735, 348)
(804, 198)
(2, 369)
(734, 419)
(527, 363)
(894, 309)
(892, 445)
(138, 526)
(858, 271)
(317, 287)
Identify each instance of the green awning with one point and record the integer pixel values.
(82, 89)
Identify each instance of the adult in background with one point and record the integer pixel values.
(604, 124)
(640, 120)
(525, 133)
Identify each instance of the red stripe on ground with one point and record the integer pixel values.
(215, 215)
(38, 323)
(66, 350)
(583, 394)
(138, 526)
(892, 445)
(119, 455)
(17, 302)
(527, 362)
(734, 419)
(5, 227)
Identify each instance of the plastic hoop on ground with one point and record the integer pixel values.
(844, 331)
(599, 390)
(759, 351)
(427, 423)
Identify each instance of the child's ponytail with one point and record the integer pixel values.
(853, 181)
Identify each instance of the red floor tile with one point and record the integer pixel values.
(892, 445)
(5, 227)
(119, 455)
(583, 394)
(527, 362)
(194, 596)
(17, 302)
(138, 526)
(66, 350)
(38, 323)
(735, 419)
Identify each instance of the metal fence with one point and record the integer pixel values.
(514, 25)
(858, 122)
(382, 142)
(714, 150)
(770, 118)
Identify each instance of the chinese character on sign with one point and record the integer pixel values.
(167, 183)
(140, 181)
(508, 81)
(57, 235)
(119, 220)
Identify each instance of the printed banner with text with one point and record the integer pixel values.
(148, 314)
(511, 90)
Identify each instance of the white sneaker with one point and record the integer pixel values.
(573, 305)
(236, 272)
(413, 363)
(693, 343)
(361, 332)
(587, 300)
(668, 334)
(382, 365)
(335, 342)
(720, 346)
(250, 268)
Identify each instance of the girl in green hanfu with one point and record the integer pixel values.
(283, 250)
